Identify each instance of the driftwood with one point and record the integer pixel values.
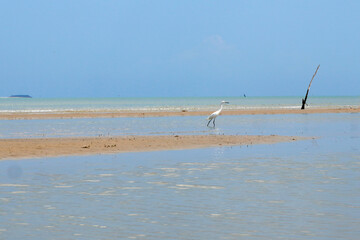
(307, 92)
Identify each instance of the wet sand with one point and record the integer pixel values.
(117, 114)
(51, 147)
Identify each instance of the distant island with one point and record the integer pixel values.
(21, 96)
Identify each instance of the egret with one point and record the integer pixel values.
(213, 116)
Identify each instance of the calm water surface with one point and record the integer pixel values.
(299, 190)
(168, 104)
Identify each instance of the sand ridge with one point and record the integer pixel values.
(51, 147)
(117, 114)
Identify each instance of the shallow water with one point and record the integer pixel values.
(167, 104)
(284, 124)
(299, 190)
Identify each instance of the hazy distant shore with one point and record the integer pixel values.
(116, 114)
(51, 147)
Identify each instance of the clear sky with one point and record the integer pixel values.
(129, 48)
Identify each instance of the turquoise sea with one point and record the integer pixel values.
(298, 190)
(166, 104)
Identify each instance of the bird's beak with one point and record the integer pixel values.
(227, 102)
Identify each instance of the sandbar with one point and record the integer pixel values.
(120, 113)
(52, 147)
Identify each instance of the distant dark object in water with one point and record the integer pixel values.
(244, 95)
(21, 96)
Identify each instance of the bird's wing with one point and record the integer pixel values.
(214, 114)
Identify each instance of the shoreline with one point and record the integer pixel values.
(119, 114)
(11, 149)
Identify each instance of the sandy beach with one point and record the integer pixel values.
(50, 147)
(116, 114)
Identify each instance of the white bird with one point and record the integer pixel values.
(213, 116)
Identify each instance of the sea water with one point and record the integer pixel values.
(298, 190)
(282, 124)
(34, 105)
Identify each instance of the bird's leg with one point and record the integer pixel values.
(209, 122)
(214, 122)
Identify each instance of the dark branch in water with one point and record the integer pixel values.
(307, 92)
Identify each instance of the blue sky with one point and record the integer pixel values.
(179, 48)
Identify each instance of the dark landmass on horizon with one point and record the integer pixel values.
(20, 96)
